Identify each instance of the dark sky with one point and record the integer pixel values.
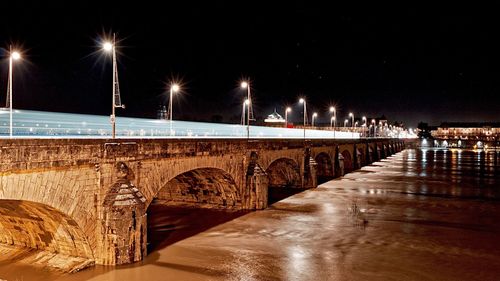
(409, 66)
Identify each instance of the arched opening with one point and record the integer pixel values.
(284, 179)
(348, 163)
(190, 203)
(324, 169)
(29, 230)
(205, 187)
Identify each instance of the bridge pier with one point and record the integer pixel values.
(122, 225)
(309, 178)
(257, 183)
(369, 158)
(339, 162)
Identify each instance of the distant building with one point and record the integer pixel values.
(462, 134)
(161, 113)
(274, 120)
(467, 130)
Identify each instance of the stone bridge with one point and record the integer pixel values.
(72, 203)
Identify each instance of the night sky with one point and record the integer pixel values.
(410, 67)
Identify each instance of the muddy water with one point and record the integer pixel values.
(419, 215)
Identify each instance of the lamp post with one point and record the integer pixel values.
(174, 88)
(288, 109)
(345, 123)
(334, 117)
(364, 125)
(374, 128)
(352, 116)
(111, 47)
(313, 117)
(13, 55)
(246, 85)
(332, 120)
(243, 114)
(302, 100)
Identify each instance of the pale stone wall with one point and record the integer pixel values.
(70, 192)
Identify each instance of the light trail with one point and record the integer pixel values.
(40, 124)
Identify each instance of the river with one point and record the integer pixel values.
(422, 214)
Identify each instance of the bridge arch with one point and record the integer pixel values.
(203, 187)
(324, 168)
(284, 172)
(348, 161)
(39, 226)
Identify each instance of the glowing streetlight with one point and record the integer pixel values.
(14, 55)
(174, 88)
(246, 85)
(302, 100)
(288, 109)
(313, 117)
(107, 46)
(117, 103)
(345, 123)
(334, 118)
(352, 116)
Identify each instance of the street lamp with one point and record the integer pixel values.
(246, 85)
(364, 124)
(352, 116)
(111, 47)
(334, 118)
(345, 123)
(243, 114)
(288, 109)
(14, 55)
(374, 128)
(174, 88)
(332, 121)
(313, 117)
(302, 100)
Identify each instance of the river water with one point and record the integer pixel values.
(425, 214)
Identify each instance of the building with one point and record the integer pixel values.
(467, 134)
(162, 113)
(274, 120)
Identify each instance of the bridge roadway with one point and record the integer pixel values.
(40, 124)
(79, 202)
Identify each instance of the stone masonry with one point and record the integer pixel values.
(88, 199)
